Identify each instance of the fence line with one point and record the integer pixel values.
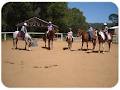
(5, 34)
(115, 37)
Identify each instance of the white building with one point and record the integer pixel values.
(115, 36)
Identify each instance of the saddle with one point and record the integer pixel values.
(50, 34)
(21, 34)
(90, 37)
(68, 38)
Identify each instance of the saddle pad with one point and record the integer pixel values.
(102, 35)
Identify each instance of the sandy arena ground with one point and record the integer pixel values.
(58, 68)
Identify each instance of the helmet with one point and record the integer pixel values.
(105, 24)
(50, 22)
(70, 28)
(25, 24)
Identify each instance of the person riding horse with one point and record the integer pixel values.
(69, 35)
(90, 32)
(105, 34)
(50, 27)
(23, 30)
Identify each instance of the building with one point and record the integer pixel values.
(36, 22)
(115, 33)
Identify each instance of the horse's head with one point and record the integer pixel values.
(79, 33)
(30, 42)
(29, 39)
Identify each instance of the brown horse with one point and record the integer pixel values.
(85, 38)
(50, 37)
(102, 41)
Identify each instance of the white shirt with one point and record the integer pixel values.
(70, 34)
(24, 29)
(90, 29)
(50, 28)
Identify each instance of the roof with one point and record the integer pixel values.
(35, 22)
(115, 27)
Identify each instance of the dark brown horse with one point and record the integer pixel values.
(85, 38)
(102, 41)
(50, 37)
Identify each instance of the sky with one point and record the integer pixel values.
(95, 12)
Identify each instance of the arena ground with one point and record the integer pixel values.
(58, 67)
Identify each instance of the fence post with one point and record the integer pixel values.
(4, 36)
(61, 36)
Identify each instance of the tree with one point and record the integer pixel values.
(113, 18)
(13, 13)
(74, 18)
(57, 12)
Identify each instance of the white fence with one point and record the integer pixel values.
(115, 37)
(5, 34)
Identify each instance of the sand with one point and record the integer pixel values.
(58, 68)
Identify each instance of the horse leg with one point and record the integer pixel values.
(49, 44)
(45, 43)
(99, 47)
(70, 45)
(13, 43)
(94, 44)
(52, 44)
(82, 45)
(109, 44)
(103, 46)
(25, 44)
(87, 45)
(16, 43)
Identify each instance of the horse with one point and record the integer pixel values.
(102, 41)
(69, 41)
(45, 38)
(50, 35)
(85, 38)
(17, 35)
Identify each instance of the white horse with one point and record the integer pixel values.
(17, 35)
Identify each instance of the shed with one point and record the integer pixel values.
(35, 22)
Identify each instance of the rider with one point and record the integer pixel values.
(90, 31)
(50, 27)
(70, 34)
(23, 30)
(107, 34)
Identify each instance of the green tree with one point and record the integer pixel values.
(113, 18)
(74, 18)
(13, 13)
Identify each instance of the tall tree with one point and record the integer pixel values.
(113, 18)
(13, 13)
(74, 18)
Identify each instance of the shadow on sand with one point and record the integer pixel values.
(46, 48)
(21, 49)
(65, 48)
(96, 51)
(84, 49)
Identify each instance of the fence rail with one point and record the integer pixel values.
(115, 37)
(37, 33)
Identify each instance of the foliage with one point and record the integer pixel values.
(56, 12)
(113, 18)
